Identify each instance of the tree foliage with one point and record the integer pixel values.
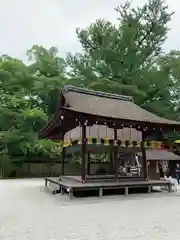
(122, 58)
(26, 103)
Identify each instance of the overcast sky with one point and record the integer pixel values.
(53, 23)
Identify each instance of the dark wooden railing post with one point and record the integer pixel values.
(62, 159)
(83, 156)
(115, 155)
(88, 164)
(111, 162)
(144, 160)
(62, 149)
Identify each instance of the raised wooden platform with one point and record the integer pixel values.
(72, 186)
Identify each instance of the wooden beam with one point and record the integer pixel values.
(83, 160)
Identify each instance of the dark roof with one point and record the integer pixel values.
(155, 154)
(97, 93)
(109, 105)
(106, 105)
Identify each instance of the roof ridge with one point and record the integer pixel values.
(96, 93)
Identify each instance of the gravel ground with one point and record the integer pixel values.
(28, 211)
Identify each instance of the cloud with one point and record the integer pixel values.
(53, 23)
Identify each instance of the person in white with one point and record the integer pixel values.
(173, 181)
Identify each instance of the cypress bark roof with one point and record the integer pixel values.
(96, 103)
(109, 105)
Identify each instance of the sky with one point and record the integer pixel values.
(54, 22)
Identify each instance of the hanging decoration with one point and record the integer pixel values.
(109, 141)
(164, 166)
(157, 167)
(80, 140)
(121, 143)
(98, 157)
(106, 141)
(176, 147)
(89, 140)
(98, 138)
(138, 164)
(130, 142)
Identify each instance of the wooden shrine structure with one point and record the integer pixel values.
(85, 111)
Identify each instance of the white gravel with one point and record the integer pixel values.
(28, 211)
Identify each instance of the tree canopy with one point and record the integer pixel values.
(124, 58)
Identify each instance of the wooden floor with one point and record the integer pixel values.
(100, 178)
(71, 186)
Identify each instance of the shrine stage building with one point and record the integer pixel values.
(95, 126)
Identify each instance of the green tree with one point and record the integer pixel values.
(25, 107)
(170, 64)
(50, 72)
(122, 58)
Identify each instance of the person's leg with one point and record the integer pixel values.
(178, 178)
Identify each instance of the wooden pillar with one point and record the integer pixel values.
(62, 159)
(88, 164)
(115, 155)
(70, 193)
(111, 162)
(100, 192)
(83, 156)
(144, 160)
(46, 182)
(126, 191)
(63, 149)
(62, 190)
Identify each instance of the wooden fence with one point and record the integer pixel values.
(44, 169)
